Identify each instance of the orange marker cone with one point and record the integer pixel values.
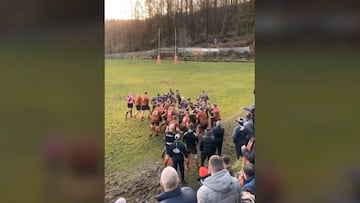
(158, 58)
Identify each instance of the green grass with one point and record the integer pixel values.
(127, 146)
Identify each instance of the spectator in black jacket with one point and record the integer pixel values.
(218, 133)
(207, 147)
(173, 193)
(178, 155)
(239, 137)
(191, 140)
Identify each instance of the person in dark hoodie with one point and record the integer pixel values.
(173, 193)
(207, 147)
(191, 140)
(218, 132)
(178, 155)
(239, 137)
(220, 187)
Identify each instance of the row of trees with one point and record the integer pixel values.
(196, 21)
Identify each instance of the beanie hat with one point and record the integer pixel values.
(203, 171)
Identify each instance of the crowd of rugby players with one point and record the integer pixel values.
(174, 111)
(182, 117)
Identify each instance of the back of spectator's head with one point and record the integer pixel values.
(169, 179)
(121, 200)
(215, 164)
(249, 170)
(226, 159)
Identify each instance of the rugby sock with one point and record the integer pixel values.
(166, 161)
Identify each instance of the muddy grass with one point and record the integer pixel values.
(144, 185)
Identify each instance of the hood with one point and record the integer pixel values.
(169, 194)
(220, 181)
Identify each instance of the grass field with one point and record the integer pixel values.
(127, 146)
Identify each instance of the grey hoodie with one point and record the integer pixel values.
(220, 187)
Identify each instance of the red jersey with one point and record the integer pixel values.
(155, 115)
(145, 100)
(170, 113)
(185, 121)
(138, 100)
(216, 113)
(202, 117)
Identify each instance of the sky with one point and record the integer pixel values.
(118, 9)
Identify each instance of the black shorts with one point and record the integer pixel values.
(203, 126)
(155, 123)
(138, 108)
(145, 107)
(191, 150)
(130, 106)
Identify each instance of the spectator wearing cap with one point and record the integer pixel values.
(220, 186)
(239, 137)
(207, 147)
(203, 174)
(218, 132)
(178, 155)
(173, 193)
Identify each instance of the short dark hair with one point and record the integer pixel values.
(249, 169)
(191, 126)
(226, 159)
(216, 163)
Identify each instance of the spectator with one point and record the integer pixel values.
(220, 187)
(248, 151)
(121, 200)
(207, 147)
(249, 176)
(249, 126)
(227, 166)
(173, 193)
(178, 155)
(203, 174)
(239, 137)
(218, 132)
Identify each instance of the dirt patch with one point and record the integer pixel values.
(140, 187)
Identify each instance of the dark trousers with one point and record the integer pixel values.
(180, 164)
(204, 157)
(218, 148)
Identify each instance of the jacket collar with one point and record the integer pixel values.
(169, 194)
(249, 180)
